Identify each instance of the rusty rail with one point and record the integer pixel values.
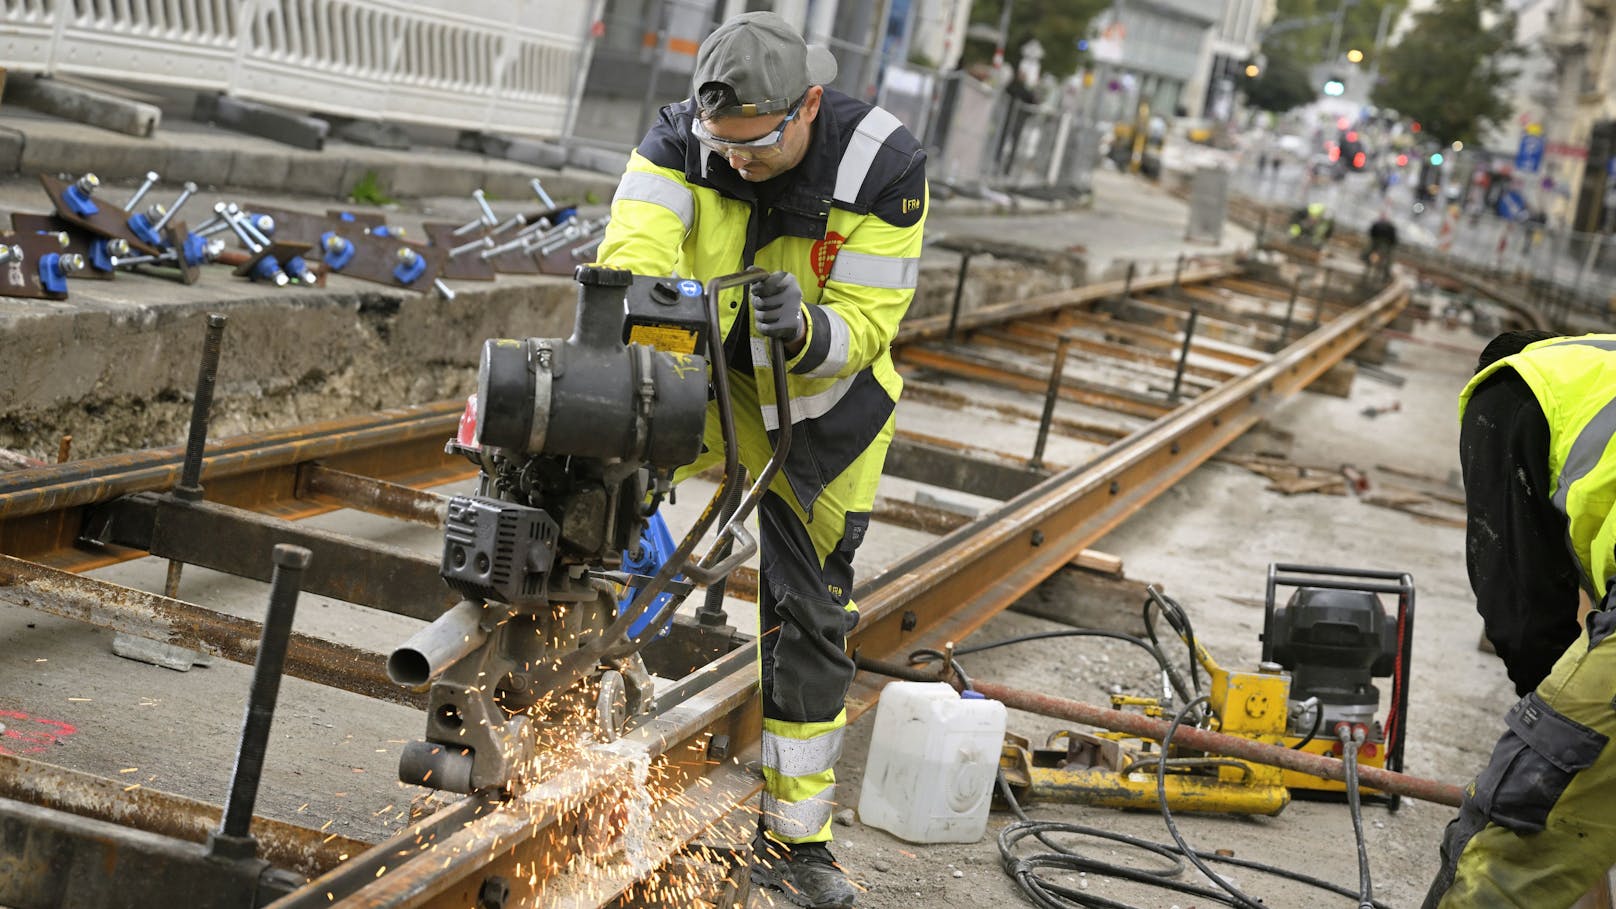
(938, 594)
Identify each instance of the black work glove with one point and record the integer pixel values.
(777, 307)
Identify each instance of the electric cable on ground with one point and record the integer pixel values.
(1046, 894)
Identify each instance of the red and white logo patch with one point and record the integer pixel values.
(823, 255)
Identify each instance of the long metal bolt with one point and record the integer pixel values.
(117, 246)
(231, 218)
(1290, 311)
(514, 221)
(264, 225)
(71, 263)
(489, 217)
(186, 193)
(290, 563)
(190, 487)
(252, 226)
(122, 261)
(1127, 282)
(959, 292)
(140, 193)
(444, 290)
(215, 223)
(1184, 352)
(538, 190)
(479, 243)
(1051, 395)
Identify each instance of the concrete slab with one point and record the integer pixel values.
(86, 105)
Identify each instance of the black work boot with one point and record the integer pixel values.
(804, 873)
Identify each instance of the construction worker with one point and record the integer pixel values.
(766, 166)
(1537, 424)
(1312, 224)
(1377, 256)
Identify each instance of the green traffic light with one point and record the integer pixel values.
(1436, 159)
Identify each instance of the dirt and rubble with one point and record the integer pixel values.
(1208, 542)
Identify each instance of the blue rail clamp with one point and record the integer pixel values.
(656, 547)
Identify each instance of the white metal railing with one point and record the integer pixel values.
(505, 65)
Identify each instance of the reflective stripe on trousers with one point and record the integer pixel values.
(805, 613)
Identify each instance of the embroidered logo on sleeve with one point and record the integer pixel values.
(823, 255)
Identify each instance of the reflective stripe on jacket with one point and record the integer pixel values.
(846, 222)
(1574, 381)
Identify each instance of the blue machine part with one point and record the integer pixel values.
(407, 271)
(266, 269)
(690, 288)
(347, 217)
(296, 267)
(99, 258)
(142, 226)
(194, 249)
(382, 230)
(565, 215)
(79, 202)
(51, 276)
(656, 547)
(338, 260)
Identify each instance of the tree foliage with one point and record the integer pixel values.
(1451, 69)
(1282, 85)
(1057, 24)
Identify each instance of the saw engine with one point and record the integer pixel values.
(576, 441)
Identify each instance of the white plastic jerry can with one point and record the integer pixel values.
(934, 756)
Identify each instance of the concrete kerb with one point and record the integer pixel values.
(32, 145)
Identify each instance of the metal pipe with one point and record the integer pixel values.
(1050, 397)
(1127, 281)
(1217, 743)
(1184, 352)
(1178, 274)
(373, 496)
(431, 651)
(266, 685)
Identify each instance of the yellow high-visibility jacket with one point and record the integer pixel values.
(846, 221)
(1574, 381)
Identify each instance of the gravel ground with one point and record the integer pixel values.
(1209, 542)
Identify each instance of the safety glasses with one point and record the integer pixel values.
(761, 147)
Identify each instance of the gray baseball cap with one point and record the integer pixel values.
(764, 60)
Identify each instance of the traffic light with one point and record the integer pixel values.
(1334, 87)
(1402, 160)
(1436, 159)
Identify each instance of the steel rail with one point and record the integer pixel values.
(938, 594)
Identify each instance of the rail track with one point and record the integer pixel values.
(1069, 411)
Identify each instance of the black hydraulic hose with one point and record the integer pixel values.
(1047, 894)
(1350, 740)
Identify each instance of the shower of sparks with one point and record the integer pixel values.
(601, 817)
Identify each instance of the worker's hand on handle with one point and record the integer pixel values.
(777, 307)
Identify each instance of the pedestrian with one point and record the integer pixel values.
(764, 165)
(1537, 424)
(1377, 256)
